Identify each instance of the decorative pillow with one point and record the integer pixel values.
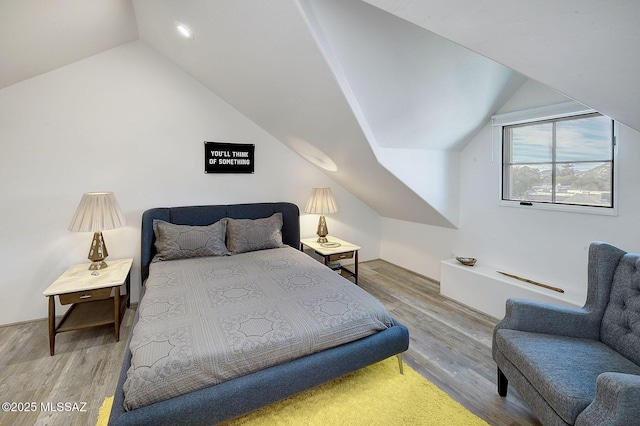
(254, 234)
(183, 241)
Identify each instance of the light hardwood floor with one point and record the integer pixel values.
(84, 369)
(450, 346)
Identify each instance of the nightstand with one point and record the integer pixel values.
(95, 298)
(333, 255)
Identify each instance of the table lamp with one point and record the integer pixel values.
(97, 212)
(321, 202)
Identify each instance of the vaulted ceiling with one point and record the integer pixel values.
(38, 36)
(585, 49)
(381, 94)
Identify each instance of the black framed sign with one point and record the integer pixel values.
(222, 157)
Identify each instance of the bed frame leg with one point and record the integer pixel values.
(400, 363)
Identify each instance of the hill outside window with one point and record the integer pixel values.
(567, 161)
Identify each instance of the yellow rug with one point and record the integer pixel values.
(105, 410)
(375, 395)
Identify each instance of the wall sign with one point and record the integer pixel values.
(228, 157)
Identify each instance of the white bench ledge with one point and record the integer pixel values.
(482, 288)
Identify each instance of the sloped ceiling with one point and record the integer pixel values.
(340, 91)
(585, 49)
(417, 97)
(37, 36)
(416, 89)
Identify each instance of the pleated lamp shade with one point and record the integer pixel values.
(321, 202)
(97, 211)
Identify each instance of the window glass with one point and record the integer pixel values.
(532, 143)
(560, 161)
(584, 139)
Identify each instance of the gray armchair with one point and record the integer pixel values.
(578, 366)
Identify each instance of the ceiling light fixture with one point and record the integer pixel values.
(184, 31)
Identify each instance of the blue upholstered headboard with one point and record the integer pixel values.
(205, 215)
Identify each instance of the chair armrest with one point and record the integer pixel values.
(537, 317)
(616, 401)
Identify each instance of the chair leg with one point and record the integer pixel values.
(503, 383)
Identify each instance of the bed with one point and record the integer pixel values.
(229, 398)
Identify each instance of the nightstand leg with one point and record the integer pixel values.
(116, 312)
(128, 286)
(52, 324)
(356, 269)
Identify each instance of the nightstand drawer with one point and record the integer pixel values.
(340, 256)
(85, 296)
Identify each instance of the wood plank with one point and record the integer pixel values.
(83, 315)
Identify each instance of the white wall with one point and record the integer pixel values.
(129, 121)
(415, 246)
(545, 246)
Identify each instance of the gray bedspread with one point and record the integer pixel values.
(207, 320)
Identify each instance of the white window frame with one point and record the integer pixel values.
(550, 112)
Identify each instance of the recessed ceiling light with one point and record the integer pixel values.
(184, 31)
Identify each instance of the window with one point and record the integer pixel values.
(561, 161)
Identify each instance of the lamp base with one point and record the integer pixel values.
(322, 231)
(330, 245)
(97, 252)
(98, 265)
